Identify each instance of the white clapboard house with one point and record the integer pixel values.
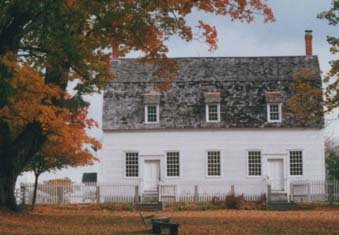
(222, 126)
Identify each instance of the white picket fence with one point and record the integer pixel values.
(314, 191)
(195, 192)
(72, 193)
(76, 193)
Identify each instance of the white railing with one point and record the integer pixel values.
(314, 190)
(201, 192)
(76, 193)
(57, 193)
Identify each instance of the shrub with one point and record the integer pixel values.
(127, 206)
(117, 206)
(192, 206)
(261, 204)
(182, 206)
(216, 201)
(234, 202)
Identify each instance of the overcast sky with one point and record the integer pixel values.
(283, 37)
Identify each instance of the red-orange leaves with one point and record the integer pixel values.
(31, 100)
(306, 101)
(69, 3)
(242, 4)
(35, 101)
(210, 35)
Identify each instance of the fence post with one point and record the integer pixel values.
(232, 190)
(23, 193)
(97, 194)
(196, 194)
(60, 194)
(136, 194)
(330, 192)
(269, 193)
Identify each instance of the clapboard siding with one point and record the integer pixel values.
(193, 144)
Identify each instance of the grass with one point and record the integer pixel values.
(91, 219)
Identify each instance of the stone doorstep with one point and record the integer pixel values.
(279, 197)
(158, 206)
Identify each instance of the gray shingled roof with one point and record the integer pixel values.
(241, 81)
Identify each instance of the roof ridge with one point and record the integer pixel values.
(228, 57)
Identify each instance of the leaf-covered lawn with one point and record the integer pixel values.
(93, 220)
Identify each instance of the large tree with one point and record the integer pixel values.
(45, 44)
(332, 159)
(332, 77)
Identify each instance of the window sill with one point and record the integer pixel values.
(172, 177)
(214, 176)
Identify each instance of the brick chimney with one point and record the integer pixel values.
(308, 42)
(115, 51)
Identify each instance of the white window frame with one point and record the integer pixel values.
(289, 162)
(221, 163)
(125, 173)
(247, 163)
(157, 113)
(166, 175)
(207, 112)
(269, 112)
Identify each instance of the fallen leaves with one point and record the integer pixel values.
(91, 219)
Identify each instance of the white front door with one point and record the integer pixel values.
(275, 168)
(151, 175)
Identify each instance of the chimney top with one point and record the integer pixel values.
(308, 42)
(115, 51)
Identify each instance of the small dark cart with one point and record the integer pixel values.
(159, 223)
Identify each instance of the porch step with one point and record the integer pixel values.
(279, 197)
(281, 206)
(149, 206)
(150, 197)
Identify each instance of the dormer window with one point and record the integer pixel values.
(213, 112)
(152, 100)
(274, 112)
(274, 100)
(212, 100)
(152, 113)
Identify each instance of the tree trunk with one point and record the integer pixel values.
(14, 156)
(7, 192)
(35, 189)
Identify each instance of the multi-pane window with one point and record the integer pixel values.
(274, 112)
(151, 114)
(132, 164)
(213, 112)
(254, 163)
(296, 163)
(173, 164)
(213, 163)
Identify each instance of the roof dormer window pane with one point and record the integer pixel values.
(152, 113)
(274, 112)
(213, 112)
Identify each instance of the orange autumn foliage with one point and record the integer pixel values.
(306, 98)
(34, 101)
(148, 29)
